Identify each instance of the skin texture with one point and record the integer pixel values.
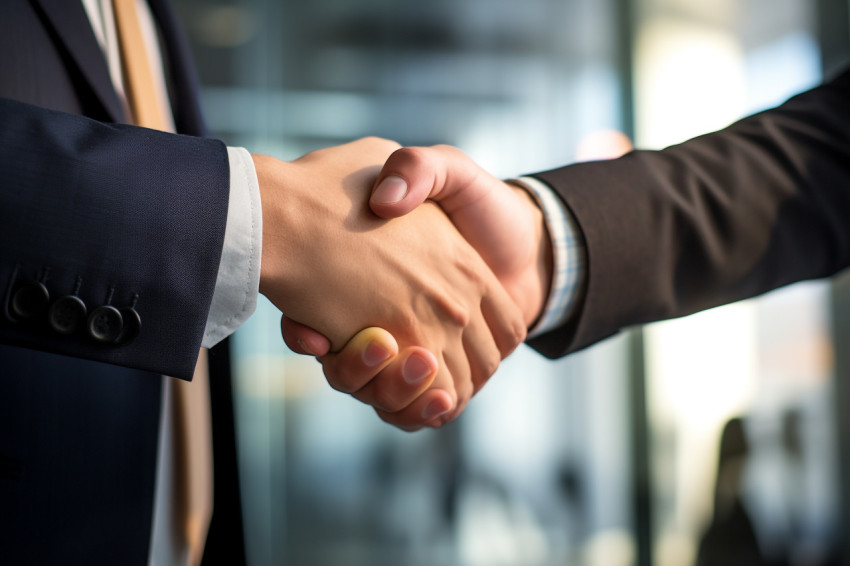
(500, 220)
(502, 223)
(330, 263)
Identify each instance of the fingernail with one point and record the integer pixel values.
(305, 347)
(374, 354)
(434, 409)
(415, 369)
(390, 191)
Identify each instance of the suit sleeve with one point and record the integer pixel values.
(723, 217)
(126, 220)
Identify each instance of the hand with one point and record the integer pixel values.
(501, 221)
(328, 262)
(369, 363)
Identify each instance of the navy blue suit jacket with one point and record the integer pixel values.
(115, 215)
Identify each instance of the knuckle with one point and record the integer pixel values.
(517, 334)
(394, 420)
(382, 142)
(464, 394)
(454, 312)
(385, 400)
(483, 370)
(450, 149)
(475, 271)
(409, 157)
(341, 380)
(408, 322)
(443, 420)
(339, 386)
(491, 364)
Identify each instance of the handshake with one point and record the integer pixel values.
(410, 273)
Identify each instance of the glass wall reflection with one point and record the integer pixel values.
(538, 470)
(740, 397)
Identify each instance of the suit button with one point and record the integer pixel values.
(67, 314)
(30, 299)
(104, 324)
(132, 324)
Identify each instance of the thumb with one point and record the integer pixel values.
(302, 339)
(413, 174)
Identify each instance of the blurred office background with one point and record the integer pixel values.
(716, 439)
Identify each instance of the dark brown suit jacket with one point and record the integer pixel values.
(726, 216)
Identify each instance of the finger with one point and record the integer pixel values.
(360, 360)
(504, 319)
(480, 205)
(429, 409)
(460, 391)
(402, 380)
(302, 339)
(405, 181)
(413, 174)
(482, 355)
(435, 406)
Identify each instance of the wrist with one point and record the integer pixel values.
(539, 272)
(568, 256)
(271, 259)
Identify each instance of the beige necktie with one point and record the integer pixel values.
(191, 402)
(138, 73)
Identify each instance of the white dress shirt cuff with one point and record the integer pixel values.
(238, 281)
(569, 253)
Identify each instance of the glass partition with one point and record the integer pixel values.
(740, 446)
(537, 470)
(743, 452)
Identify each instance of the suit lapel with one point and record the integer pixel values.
(69, 20)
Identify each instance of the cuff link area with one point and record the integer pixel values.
(67, 314)
(27, 301)
(104, 324)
